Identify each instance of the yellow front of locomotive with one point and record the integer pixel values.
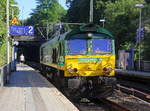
(90, 54)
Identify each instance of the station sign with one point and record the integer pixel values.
(17, 30)
(139, 34)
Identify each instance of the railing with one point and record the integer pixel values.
(145, 66)
(5, 73)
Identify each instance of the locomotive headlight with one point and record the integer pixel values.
(75, 70)
(72, 70)
(90, 34)
(107, 71)
(110, 69)
(104, 69)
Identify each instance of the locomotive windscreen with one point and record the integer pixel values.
(85, 46)
(102, 46)
(77, 46)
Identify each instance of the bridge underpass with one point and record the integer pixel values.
(29, 47)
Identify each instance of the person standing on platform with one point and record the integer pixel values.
(22, 59)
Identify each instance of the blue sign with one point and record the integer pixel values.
(139, 35)
(142, 32)
(21, 30)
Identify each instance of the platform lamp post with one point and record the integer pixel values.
(13, 65)
(7, 39)
(91, 11)
(140, 6)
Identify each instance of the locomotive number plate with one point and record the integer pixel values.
(89, 59)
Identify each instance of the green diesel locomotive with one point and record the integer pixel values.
(81, 61)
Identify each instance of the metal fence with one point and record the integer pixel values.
(145, 66)
(5, 72)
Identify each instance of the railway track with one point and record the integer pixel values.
(144, 87)
(132, 102)
(119, 101)
(100, 105)
(127, 97)
(135, 89)
(114, 106)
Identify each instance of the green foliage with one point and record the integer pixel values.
(46, 12)
(146, 45)
(3, 27)
(3, 53)
(78, 11)
(123, 20)
(148, 1)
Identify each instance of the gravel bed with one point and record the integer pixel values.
(90, 106)
(132, 103)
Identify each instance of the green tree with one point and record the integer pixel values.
(146, 40)
(79, 10)
(3, 27)
(46, 12)
(146, 46)
(148, 1)
(122, 19)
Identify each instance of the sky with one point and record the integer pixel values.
(26, 6)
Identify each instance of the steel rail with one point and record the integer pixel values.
(144, 96)
(114, 106)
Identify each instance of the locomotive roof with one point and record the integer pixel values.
(89, 28)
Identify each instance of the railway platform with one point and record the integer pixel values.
(29, 91)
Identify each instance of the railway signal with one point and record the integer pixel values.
(140, 6)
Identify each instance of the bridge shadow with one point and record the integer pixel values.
(26, 77)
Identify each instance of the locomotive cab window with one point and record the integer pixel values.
(101, 46)
(77, 46)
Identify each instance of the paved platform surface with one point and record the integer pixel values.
(29, 91)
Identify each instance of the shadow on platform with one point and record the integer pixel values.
(27, 77)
